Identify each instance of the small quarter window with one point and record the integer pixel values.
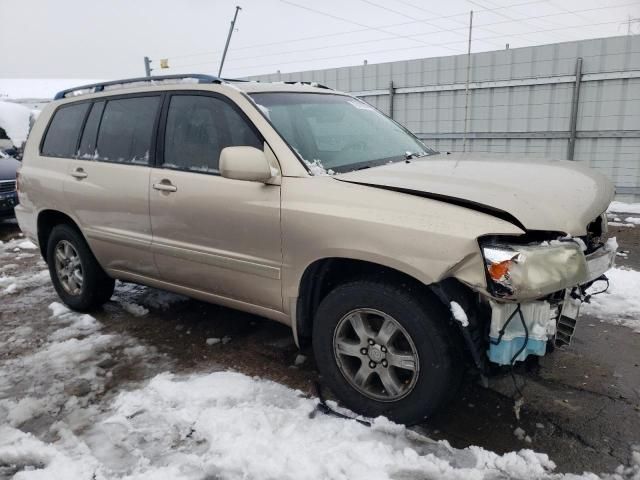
(199, 127)
(62, 135)
(126, 130)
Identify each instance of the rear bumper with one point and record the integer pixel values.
(27, 222)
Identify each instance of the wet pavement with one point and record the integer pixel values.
(582, 405)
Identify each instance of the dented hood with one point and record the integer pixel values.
(561, 196)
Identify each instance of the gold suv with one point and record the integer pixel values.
(398, 264)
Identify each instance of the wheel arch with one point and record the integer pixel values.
(322, 275)
(47, 220)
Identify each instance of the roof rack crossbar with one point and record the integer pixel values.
(99, 87)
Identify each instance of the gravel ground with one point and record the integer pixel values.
(582, 404)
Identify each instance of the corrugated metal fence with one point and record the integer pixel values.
(532, 101)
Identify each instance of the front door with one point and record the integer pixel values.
(210, 233)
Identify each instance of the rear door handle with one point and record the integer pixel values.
(165, 186)
(79, 173)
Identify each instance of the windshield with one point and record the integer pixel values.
(336, 132)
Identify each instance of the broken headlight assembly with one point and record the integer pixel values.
(531, 271)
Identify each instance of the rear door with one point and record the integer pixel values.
(108, 181)
(211, 233)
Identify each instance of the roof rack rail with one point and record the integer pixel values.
(99, 87)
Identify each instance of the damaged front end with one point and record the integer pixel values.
(535, 286)
(538, 288)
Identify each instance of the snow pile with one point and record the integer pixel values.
(622, 207)
(459, 314)
(317, 169)
(227, 425)
(131, 295)
(620, 304)
(230, 426)
(27, 245)
(11, 285)
(14, 119)
(64, 375)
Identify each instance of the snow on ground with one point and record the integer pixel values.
(229, 426)
(620, 304)
(150, 297)
(622, 207)
(60, 420)
(14, 119)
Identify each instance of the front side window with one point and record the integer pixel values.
(198, 128)
(338, 132)
(126, 130)
(62, 135)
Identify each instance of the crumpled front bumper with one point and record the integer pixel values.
(518, 330)
(599, 262)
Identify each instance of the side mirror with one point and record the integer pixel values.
(245, 163)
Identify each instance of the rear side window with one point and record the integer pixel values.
(199, 127)
(62, 135)
(126, 130)
(87, 148)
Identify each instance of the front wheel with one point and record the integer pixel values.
(386, 351)
(78, 278)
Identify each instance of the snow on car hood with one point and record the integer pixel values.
(561, 196)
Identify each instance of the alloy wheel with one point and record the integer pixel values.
(68, 267)
(376, 354)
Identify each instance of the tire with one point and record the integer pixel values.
(95, 287)
(418, 389)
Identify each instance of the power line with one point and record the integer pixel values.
(512, 19)
(567, 11)
(380, 29)
(412, 48)
(479, 27)
(360, 30)
(404, 2)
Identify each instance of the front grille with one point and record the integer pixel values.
(7, 186)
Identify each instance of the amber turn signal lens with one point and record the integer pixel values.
(499, 270)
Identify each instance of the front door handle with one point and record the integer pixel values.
(79, 173)
(165, 186)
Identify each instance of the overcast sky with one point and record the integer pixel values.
(109, 38)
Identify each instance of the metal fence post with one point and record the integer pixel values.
(573, 125)
(392, 92)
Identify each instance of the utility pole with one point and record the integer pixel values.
(466, 90)
(226, 46)
(147, 67)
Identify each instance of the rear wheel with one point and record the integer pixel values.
(385, 351)
(79, 280)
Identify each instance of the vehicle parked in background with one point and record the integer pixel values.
(8, 192)
(399, 265)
